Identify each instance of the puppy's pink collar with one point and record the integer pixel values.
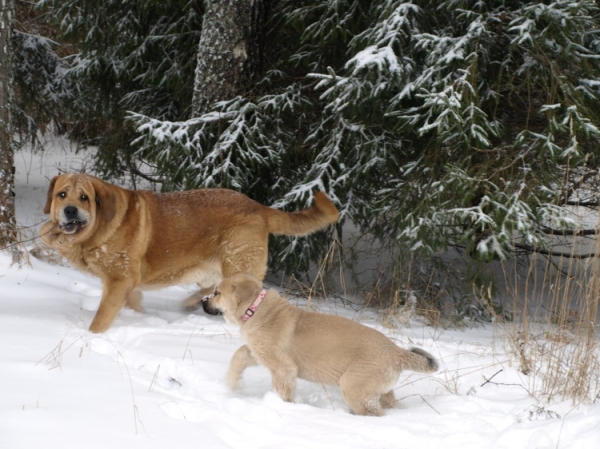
(250, 311)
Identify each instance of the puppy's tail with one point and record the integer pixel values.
(322, 213)
(418, 360)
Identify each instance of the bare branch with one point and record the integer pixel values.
(588, 203)
(570, 232)
(136, 172)
(576, 185)
(534, 249)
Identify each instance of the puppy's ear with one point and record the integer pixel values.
(246, 289)
(105, 199)
(48, 205)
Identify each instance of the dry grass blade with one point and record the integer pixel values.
(555, 338)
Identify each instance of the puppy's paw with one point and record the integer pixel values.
(233, 380)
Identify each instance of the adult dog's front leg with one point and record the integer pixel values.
(114, 296)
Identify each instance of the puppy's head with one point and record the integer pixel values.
(232, 297)
(76, 201)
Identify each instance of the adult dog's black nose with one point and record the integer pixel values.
(70, 213)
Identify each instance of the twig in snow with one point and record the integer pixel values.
(429, 405)
(487, 380)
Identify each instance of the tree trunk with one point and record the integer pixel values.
(229, 52)
(8, 231)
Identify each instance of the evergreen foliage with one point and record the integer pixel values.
(43, 91)
(450, 123)
(130, 55)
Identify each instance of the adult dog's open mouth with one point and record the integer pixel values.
(73, 227)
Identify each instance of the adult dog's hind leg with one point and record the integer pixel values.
(246, 252)
(134, 300)
(241, 360)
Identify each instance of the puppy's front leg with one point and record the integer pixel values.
(242, 359)
(114, 295)
(284, 373)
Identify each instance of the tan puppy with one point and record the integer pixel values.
(328, 349)
(136, 240)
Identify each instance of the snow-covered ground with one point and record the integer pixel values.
(156, 379)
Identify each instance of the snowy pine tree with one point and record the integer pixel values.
(454, 123)
(466, 124)
(43, 91)
(129, 55)
(474, 114)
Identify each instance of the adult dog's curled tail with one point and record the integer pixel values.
(418, 360)
(321, 214)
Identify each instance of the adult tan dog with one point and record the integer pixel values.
(137, 240)
(328, 349)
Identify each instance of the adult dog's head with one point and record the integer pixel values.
(232, 297)
(77, 201)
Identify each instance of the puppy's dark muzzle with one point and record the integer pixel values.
(208, 308)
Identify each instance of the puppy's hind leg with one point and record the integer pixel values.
(241, 360)
(388, 400)
(362, 397)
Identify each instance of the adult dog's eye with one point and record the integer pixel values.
(84, 198)
(62, 194)
(216, 293)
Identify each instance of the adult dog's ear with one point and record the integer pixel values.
(105, 199)
(48, 205)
